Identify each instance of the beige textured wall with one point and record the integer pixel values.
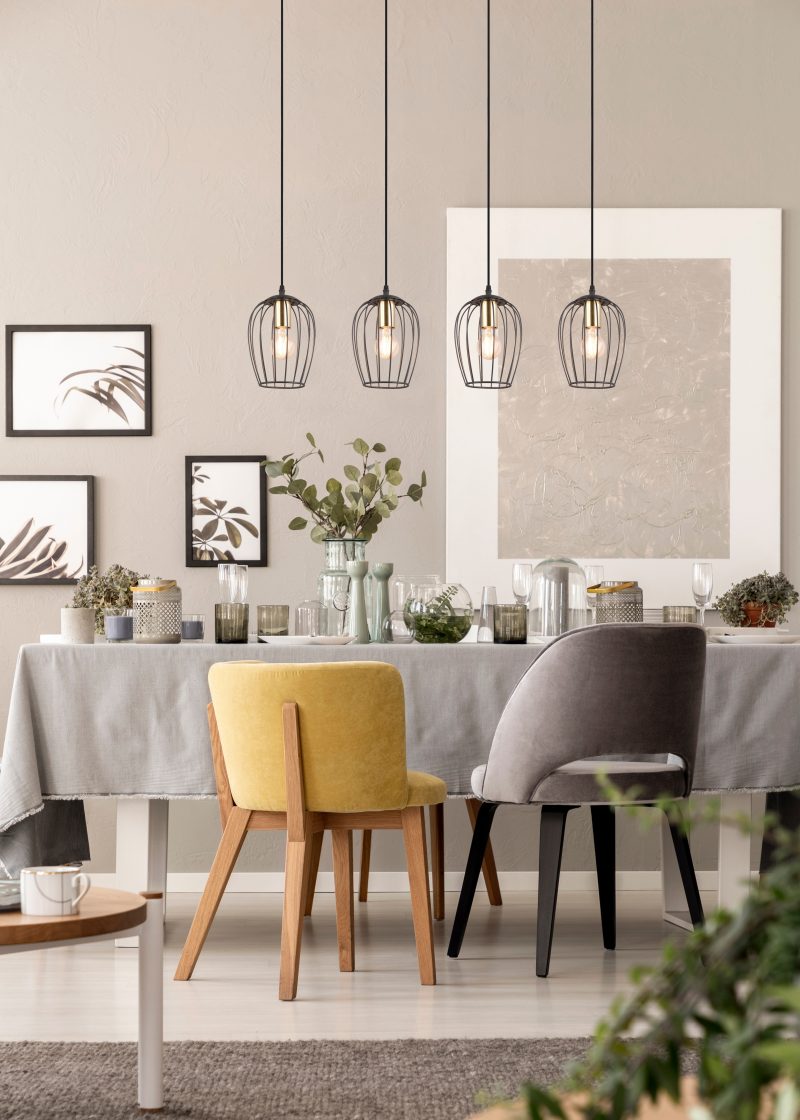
(139, 184)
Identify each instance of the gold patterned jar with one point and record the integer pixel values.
(157, 611)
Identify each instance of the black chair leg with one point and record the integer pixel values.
(480, 838)
(551, 844)
(603, 831)
(683, 854)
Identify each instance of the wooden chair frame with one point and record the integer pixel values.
(304, 832)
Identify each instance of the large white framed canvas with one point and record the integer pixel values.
(681, 460)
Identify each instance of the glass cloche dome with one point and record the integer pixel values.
(558, 602)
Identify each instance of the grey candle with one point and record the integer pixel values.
(118, 626)
(193, 628)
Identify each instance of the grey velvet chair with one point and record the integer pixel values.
(624, 699)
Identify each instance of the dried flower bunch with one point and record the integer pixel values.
(106, 590)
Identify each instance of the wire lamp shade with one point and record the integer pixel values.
(488, 329)
(385, 328)
(591, 330)
(385, 342)
(488, 337)
(281, 334)
(591, 341)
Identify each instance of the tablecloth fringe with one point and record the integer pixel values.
(22, 817)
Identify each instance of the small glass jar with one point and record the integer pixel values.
(619, 601)
(273, 621)
(118, 624)
(230, 622)
(511, 623)
(308, 618)
(439, 613)
(193, 627)
(558, 603)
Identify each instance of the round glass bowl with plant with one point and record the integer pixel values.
(761, 600)
(348, 510)
(438, 613)
(108, 590)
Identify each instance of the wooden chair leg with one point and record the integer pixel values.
(477, 849)
(551, 845)
(229, 847)
(298, 857)
(417, 860)
(604, 832)
(489, 866)
(363, 878)
(343, 885)
(683, 854)
(436, 814)
(313, 870)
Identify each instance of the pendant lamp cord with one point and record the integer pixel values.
(281, 287)
(591, 145)
(385, 147)
(488, 140)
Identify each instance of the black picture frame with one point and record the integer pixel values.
(60, 581)
(147, 392)
(261, 560)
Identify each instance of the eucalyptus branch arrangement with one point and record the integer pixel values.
(103, 590)
(353, 508)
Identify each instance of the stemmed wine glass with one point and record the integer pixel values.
(522, 583)
(702, 586)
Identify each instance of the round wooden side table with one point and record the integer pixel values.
(104, 914)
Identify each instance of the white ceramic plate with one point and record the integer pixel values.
(332, 640)
(758, 636)
(287, 640)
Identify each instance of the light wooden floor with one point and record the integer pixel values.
(89, 993)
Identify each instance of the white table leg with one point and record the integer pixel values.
(734, 850)
(151, 1006)
(675, 908)
(141, 849)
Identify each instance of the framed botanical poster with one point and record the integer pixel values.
(46, 528)
(663, 469)
(78, 381)
(226, 510)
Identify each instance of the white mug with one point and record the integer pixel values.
(52, 891)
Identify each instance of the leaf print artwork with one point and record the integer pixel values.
(33, 554)
(118, 388)
(215, 523)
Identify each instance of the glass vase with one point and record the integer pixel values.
(333, 584)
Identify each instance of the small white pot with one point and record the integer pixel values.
(77, 624)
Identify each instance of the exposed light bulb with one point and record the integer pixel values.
(491, 343)
(387, 343)
(593, 344)
(282, 344)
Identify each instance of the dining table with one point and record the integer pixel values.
(128, 721)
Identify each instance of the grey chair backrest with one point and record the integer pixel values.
(608, 690)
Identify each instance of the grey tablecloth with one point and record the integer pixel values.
(125, 720)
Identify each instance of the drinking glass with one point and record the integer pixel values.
(522, 583)
(486, 616)
(240, 582)
(230, 622)
(702, 586)
(594, 575)
(272, 621)
(511, 623)
(308, 618)
(225, 577)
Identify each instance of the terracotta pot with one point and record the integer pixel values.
(753, 612)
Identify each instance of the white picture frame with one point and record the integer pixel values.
(751, 240)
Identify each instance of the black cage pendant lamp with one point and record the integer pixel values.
(281, 331)
(385, 328)
(591, 330)
(488, 329)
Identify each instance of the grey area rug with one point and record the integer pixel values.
(317, 1080)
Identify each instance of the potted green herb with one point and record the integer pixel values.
(108, 590)
(352, 509)
(761, 600)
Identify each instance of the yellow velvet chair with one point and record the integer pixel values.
(307, 748)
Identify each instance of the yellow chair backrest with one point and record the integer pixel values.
(352, 733)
